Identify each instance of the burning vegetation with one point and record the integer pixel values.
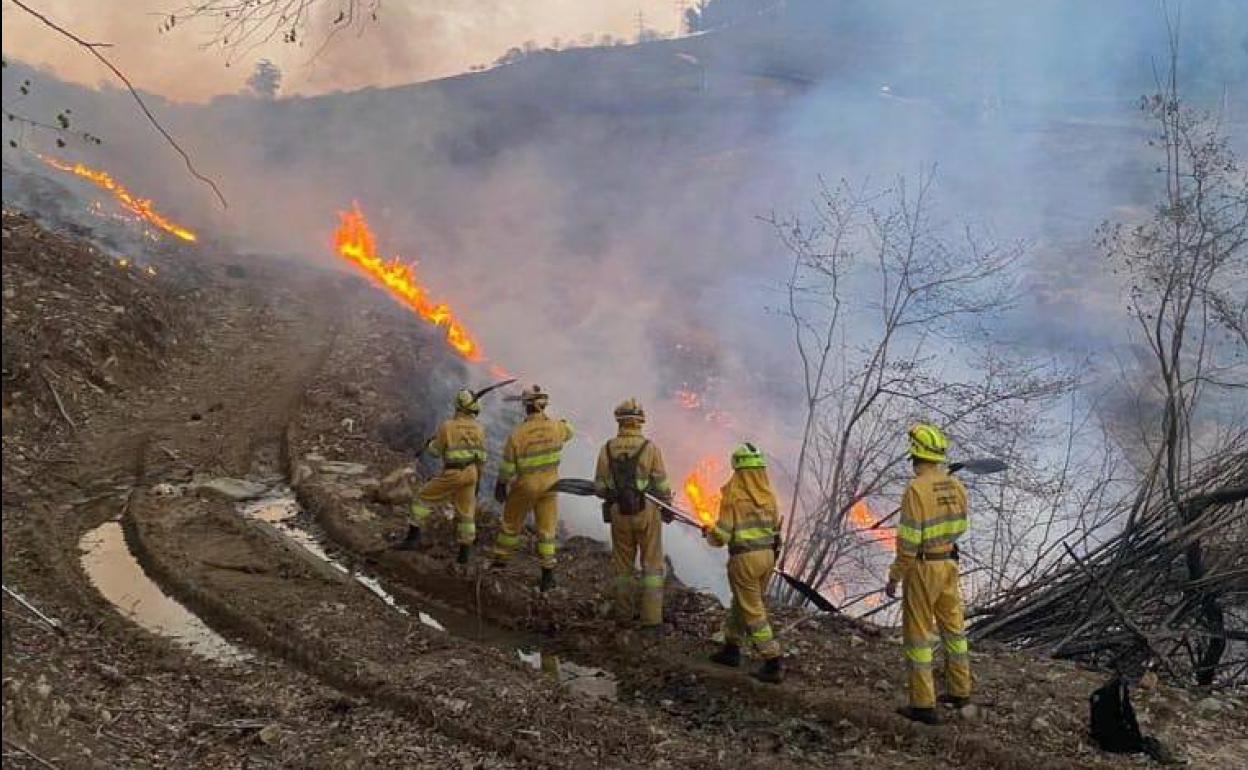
(143, 208)
(355, 242)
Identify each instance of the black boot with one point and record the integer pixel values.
(771, 672)
(465, 551)
(956, 701)
(926, 716)
(728, 655)
(412, 541)
(548, 580)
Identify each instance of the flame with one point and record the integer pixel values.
(140, 207)
(702, 490)
(863, 519)
(354, 242)
(688, 399)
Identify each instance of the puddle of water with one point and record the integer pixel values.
(116, 574)
(281, 510)
(594, 683)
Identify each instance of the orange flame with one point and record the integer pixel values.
(688, 399)
(140, 207)
(354, 242)
(702, 490)
(863, 519)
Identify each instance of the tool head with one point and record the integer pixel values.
(980, 466)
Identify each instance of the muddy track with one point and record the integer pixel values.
(673, 664)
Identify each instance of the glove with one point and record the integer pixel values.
(500, 491)
(775, 547)
(606, 511)
(666, 515)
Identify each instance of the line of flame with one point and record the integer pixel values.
(354, 242)
(143, 208)
(702, 489)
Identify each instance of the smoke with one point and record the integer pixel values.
(593, 215)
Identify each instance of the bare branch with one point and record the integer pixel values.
(93, 49)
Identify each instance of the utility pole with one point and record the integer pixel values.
(641, 24)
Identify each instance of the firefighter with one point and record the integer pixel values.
(526, 482)
(933, 517)
(629, 466)
(749, 524)
(460, 442)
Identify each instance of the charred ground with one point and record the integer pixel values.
(267, 368)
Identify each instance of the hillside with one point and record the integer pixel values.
(268, 383)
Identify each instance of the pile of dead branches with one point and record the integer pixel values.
(1169, 591)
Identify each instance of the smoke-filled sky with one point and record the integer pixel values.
(594, 215)
(413, 40)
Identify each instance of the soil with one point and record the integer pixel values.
(266, 370)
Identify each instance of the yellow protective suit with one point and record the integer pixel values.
(531, 467)
(748, 524)
(933, 517)
(460, 442)
(640, 534)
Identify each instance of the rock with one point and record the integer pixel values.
(1040, 725)
(969, 712)
(456, 706)
(339, 468)
(235, 271)
(882, 685)
(856, 641)
(164, 489)
(1148, 681)
(1210, 706)
(396, 487)
(301, 474)
(270, 735)
(234, 490)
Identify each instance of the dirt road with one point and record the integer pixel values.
(269, 372)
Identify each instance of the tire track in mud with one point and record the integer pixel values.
(794, 700)
(340, 635)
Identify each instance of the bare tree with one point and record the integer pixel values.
(93, 48)
(241, 26)
(1165, 580)
(1187, 268)
(890, 317)
(266, 80)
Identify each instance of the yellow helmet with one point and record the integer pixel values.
(928, 443)
(748, 456)
(630, 410)
(466, 401)
(535, 397)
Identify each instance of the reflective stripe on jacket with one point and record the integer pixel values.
(933, 517)
(535, 445)
(460, 441)
(748, 516)
(651, 474)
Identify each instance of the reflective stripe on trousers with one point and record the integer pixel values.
(638, 538)
(747, 621)
(931, 611)
(457, 486)
(530, 493)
